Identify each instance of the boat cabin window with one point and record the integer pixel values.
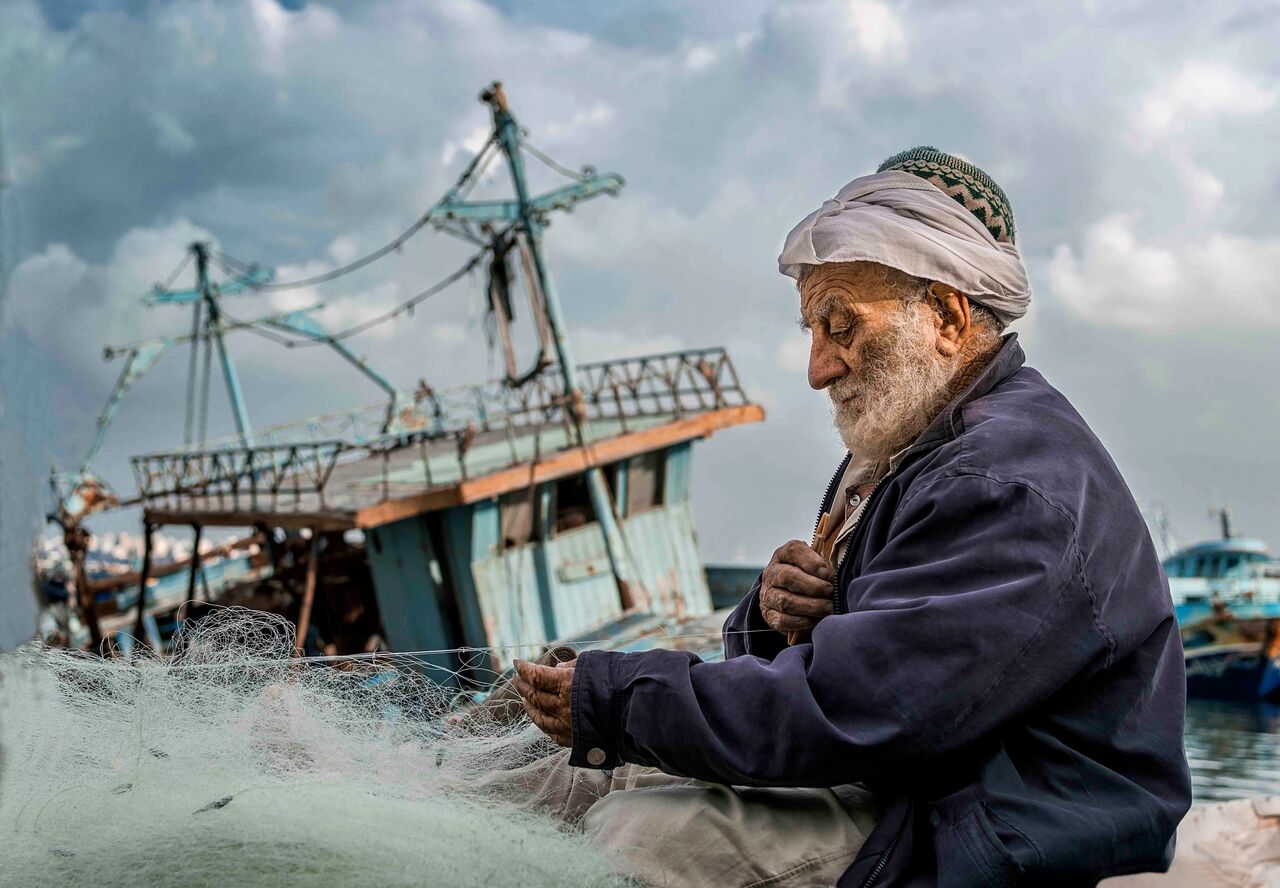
(1199, 638)
(645, 480)
(517, 514)
(520, 513)
(571, 504)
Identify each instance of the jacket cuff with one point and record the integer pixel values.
(596, 712)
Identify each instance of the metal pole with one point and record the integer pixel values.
(508, 133)
(193, 367)
(301, 322)
(308, 594)
(238, 408)
(195, 563)
(77, 540)
(509, 140)
(381, 381)
(148, 530)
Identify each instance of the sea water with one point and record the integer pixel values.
(1234, 750)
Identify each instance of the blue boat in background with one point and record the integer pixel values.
(1226, 594)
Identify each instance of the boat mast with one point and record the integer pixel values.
(1224, 518)
(213, 329)
(507, 132)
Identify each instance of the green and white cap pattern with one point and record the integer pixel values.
(970, 186)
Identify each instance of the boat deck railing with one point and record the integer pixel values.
(288, 463)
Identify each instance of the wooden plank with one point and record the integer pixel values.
(326, 520)
(121, 581)
(413, 596)
(677, 474)
(558, 465)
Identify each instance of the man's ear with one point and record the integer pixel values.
(954, 317)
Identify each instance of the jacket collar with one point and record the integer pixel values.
(949, 423)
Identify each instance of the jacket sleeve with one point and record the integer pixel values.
(746, 632)
(973, 612)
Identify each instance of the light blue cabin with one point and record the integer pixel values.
(528, 566)
(1235, 572)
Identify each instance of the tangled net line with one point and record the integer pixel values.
(233, 764)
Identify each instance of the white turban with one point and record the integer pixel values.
(900, 220)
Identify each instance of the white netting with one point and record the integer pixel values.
(231, 764)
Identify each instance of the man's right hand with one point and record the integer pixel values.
(796, 588)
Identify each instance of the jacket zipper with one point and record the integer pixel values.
(838, 607)
(831, 486)
(883, 861)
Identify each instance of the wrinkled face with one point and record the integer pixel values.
(876, 356)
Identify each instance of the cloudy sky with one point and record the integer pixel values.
(1135, 139)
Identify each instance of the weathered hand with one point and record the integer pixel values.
(796, 588)
(545, 693)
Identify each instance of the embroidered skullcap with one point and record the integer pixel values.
(971, 187)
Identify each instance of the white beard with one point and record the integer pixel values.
(902, 384)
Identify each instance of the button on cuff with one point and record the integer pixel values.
(593, 712)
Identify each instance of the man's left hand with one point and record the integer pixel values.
(545, 692)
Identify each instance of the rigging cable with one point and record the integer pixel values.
(252, 327)
(460, 187)
(417, 657)
(558, 167)
(173, 275)
(306, 341)
(230, 264)
(400, 309)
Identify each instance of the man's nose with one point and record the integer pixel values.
(825, 364)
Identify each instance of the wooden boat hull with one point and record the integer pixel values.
(1229, 658)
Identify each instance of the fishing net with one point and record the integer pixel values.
(232, 763)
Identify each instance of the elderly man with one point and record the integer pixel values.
(973, 676)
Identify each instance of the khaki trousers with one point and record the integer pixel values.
(674, 831)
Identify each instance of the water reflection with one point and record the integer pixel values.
(1234, 750)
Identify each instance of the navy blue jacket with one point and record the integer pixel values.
(1003, 666)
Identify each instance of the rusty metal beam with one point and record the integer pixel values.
(558, 465)
(273, 474)
(427, 499)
